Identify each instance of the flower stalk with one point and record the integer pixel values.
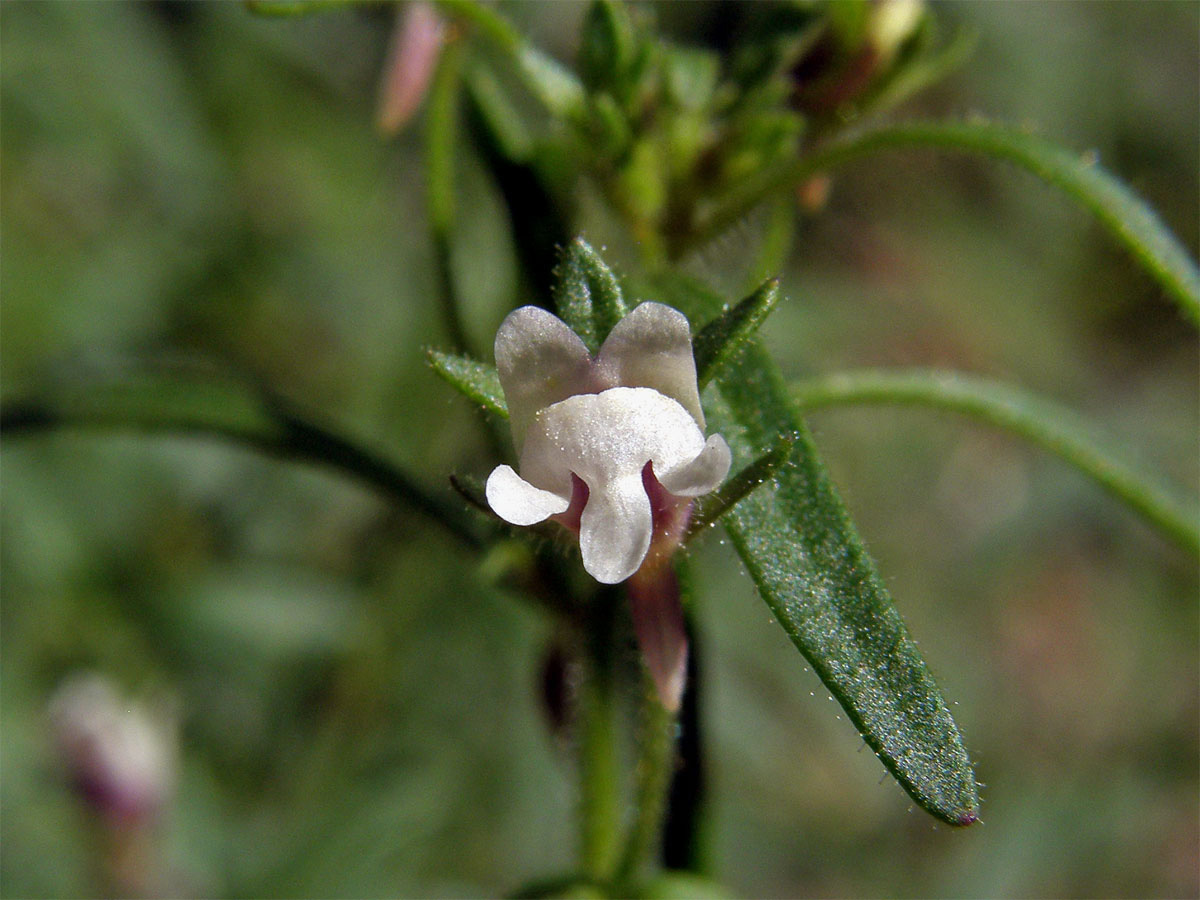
(599, 766)
(656, 763)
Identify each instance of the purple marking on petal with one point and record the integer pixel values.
(579, 498)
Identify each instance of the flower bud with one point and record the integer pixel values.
(412, 56)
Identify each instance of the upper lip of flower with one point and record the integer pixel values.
(541, 361)
(602, 420)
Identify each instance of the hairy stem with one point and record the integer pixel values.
(655, 766)
(599, 767)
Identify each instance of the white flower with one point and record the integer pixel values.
(119, 755)
(620, 424)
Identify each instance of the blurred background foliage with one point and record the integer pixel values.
(358, 703)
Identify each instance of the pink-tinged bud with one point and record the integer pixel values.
(661, 633)
(654, 600)
(119, 757)
(412, 56)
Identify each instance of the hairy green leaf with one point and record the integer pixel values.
(720, 340)
(797, 541)
(476, 380)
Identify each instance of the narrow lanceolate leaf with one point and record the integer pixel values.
(476, 380)
(797, 541)
(720, 340)
(1046, 424)
(712, 506)
(588, 295)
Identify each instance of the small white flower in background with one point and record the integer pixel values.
(611, 446)
(119, 756)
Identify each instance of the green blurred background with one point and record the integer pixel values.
(359, 713)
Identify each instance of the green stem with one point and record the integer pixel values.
(654, 591)
(234, 414)
(1131, 221)
(655, 765)
(305, 440)
(441, 138)
(1045, 424)
(599, 769)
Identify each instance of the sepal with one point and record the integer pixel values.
(710, 509)
(588, 295)
(476, 380)
(721, 339)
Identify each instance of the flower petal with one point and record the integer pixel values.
(601, 437)
(615, 529)
(541, 361)
(652, 347)
(515, 500)
(702, 474)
